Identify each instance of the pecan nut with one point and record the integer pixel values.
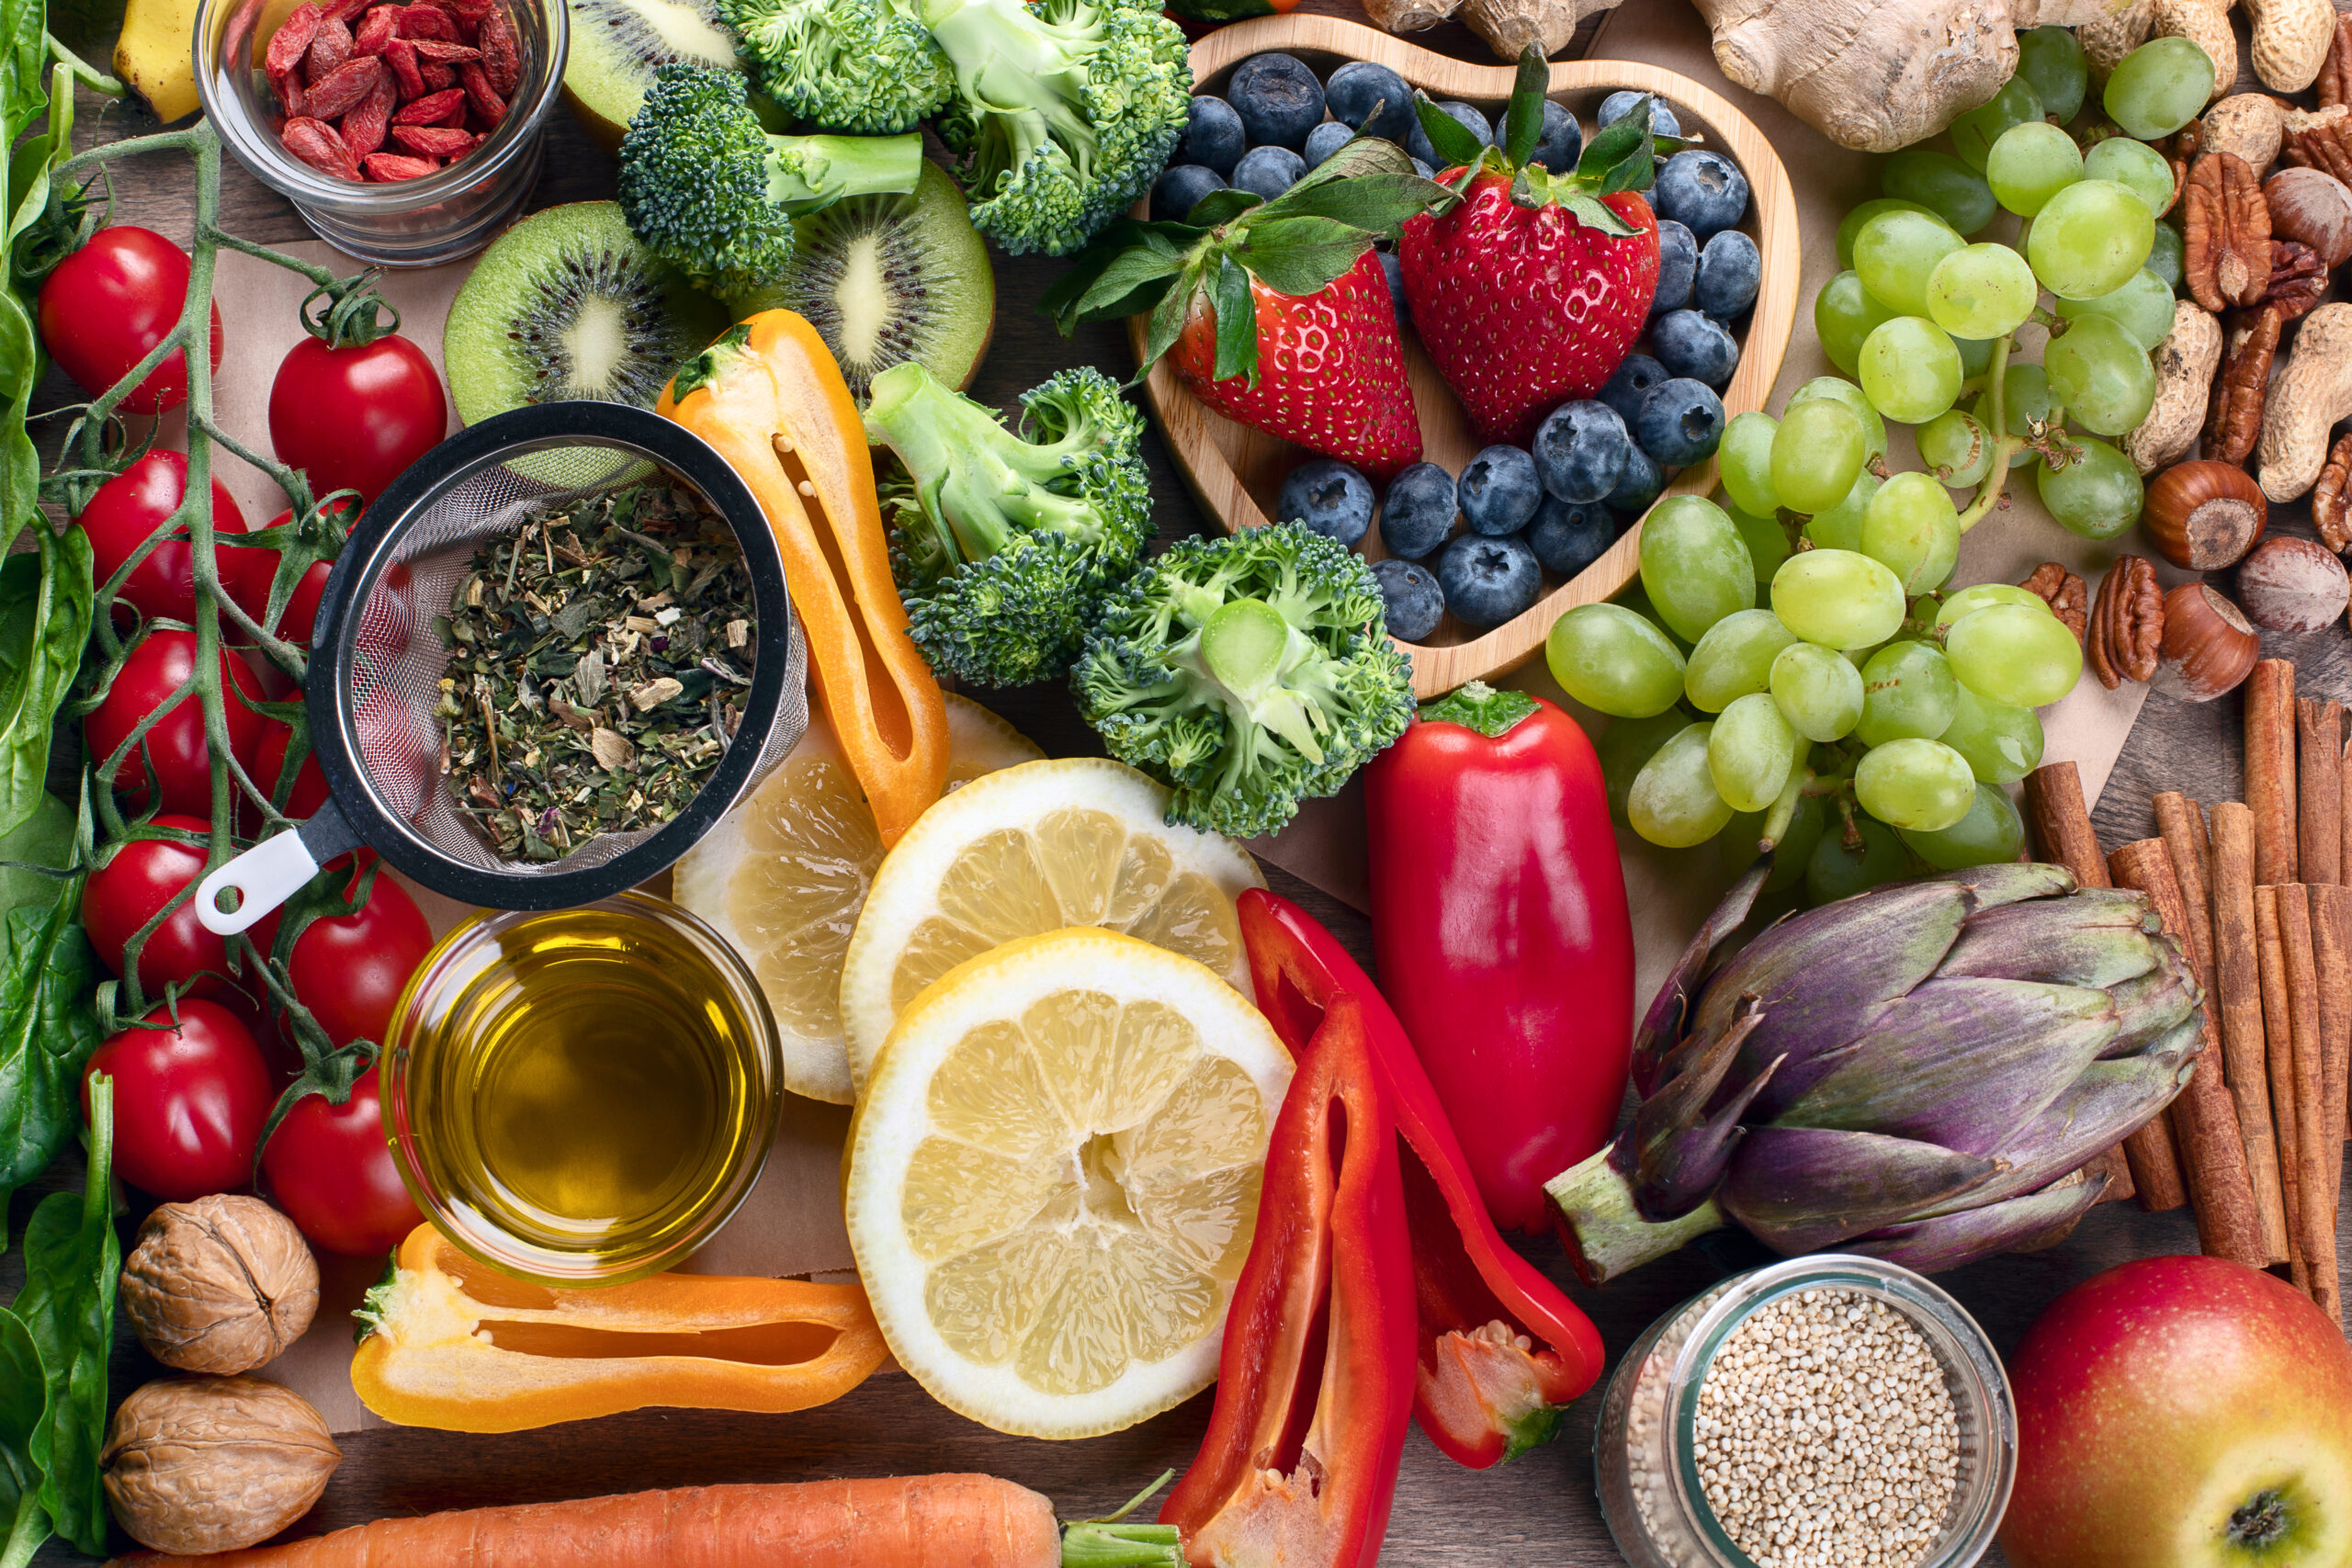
(2234, 417)
(2065, 592)
(2227, 257)
(2335, 71)
(2331, 506)
(2298, 279)
(2127, 626)
(2321, 138)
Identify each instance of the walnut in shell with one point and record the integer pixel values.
(222, 1285)
(214, 1464)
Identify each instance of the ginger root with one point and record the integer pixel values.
(1508, 25)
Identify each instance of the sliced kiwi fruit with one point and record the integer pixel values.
(888, 278)
(617, 45)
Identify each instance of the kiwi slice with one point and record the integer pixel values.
(617, 45)
(888, 278)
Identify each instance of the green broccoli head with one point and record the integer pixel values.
(1007, 542)
(1248, 672)
(712, 193)
(1064, 111)
(849, 65)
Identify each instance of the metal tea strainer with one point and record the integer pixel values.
(376, 666)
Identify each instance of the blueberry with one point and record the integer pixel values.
(1635, 378)
(1269, 171)
(1422, 169)
(1617, 105)
(1500, 490)
(1278, 98)
(1569, 536)
(1702, 189)
(1678, 268)
(1179, 186)
(1417, 141)
(1371, 99)
(1580, 450)
(1394, 271)
(1418, 514)
(1213, 137)
(1329, 497)
(1681, 421)
(1562, 141)
(1638, 485)
(1696, 346)
(1729, 273)
(1412, 597)
(1488, 580)
(1325, 140)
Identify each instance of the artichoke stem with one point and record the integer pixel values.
(1605, 1233)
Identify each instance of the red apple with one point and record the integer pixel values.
(2182, 1413)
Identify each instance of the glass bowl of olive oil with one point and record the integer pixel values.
(582, 1097)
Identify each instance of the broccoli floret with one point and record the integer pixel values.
(1248, 672)
(1064, 112)
(712, 193)
(848, 65)
(1007, 543)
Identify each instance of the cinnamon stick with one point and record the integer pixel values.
(2319, 1157)
(2344, 822)
(2237, 984)
(2271, 769)
(2061, 819)
(2212, 1150)
(2319, 799)
(2182, 826)
(2279, 1063)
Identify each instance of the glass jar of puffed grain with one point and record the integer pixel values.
(1828, 1411)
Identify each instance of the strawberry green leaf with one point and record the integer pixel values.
(1613, 144)
(1167, 324)
(1523, 124)
(1221, 206)
(1301, 255)
(1062, 299)
(1448, 137)
(1591, 212)
(1134, 281)
(1379, 204)
(1237, 322)
(1358, 156)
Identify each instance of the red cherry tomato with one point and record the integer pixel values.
(302, 613)
(310, 790)
(123, 895)
(158, 667)
(131, 506)
(330, 1169)
(353, 418)
(189, 1101)
(349, 969)
(111, 302)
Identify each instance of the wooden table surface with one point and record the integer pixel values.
(1538, 1511)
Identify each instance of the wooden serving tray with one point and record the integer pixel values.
(1237, 471)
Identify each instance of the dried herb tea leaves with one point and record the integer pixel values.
(598, 662)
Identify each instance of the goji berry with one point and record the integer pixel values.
(428, 21)
(480, 94)
(363, 128)
(291, 40)
(433, 140)
(400, 56)
(341, 89)
(391, 166)
(376, 30)
(290, 91)
(315, 143)
(501, 56)
(430, 109)
(435, 74)
(344, 10)
(329, 50)
(449, 53)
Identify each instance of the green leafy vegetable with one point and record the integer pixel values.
(44, 622)
(47, 1032)
(24, 1402)
(72, 1258)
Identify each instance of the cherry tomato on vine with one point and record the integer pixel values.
(189, 1101)
(349, 969)
(141, 877)
(111, 302)
(353, 418)
(310, 791)
(132, 506)
(331, 1171)
(301, 610)
(158, 667)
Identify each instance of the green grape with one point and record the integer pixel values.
(1844, 313)
(1942, 183)
(2002, 744)
(1924, 785)
(1837, 388)
(1851, 224)
(1735, 658)
(2025, 402)
(2142, 308)
(1974, 133)
(2168, 256)
(2089, 240)
(1750, 751)
(2101, 375)
(1982, 291)
(1819, 691)
(1607, 657)
(1835, 872)
(1896, 251)
(1839, 599)
(1913, 529)
(2052, 59)
(1991, 833)
(1840, 527)
(2159, 87)
(1694, 566)
(1628, 743)
(1908, 694)
(2097, 495)
(1767, 541)
(2136, 167)
(1630, 597)
(1975, 355)
(1910, 369)
(2029, 165)
(2013, 654)
(1979, 595)
(1742, 843)
(1956, 447)
(1817, 452)
(1744, 455)
(1673, 801)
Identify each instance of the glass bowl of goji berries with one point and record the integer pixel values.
(405, 134)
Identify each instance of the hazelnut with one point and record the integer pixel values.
(2313, 207)
(2203, 515)
(214, 1464)
(222, 1285)
(2208, 648)
(2292, 585)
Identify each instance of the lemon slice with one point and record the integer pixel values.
(1053, 1180)
(1071, 842)
(783, 875)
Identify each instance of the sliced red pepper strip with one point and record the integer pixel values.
(1315, 1383)
(1500, 1348)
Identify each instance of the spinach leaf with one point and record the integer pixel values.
(24, 52)
(47, 1032)
(24, 1400)
(44, 622)
(44, 840)
(72, 1258)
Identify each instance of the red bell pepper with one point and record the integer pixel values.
(1499, 1349)
(1499, 927)
(1299, 1464)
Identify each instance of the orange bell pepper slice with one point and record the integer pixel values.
(769, 398)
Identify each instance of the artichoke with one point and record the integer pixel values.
(1917, 1073)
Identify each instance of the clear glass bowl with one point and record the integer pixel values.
(420, 223)
(1642, 1466)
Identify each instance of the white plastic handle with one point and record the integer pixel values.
(265, 876)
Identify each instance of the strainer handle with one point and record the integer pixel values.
(272, 872)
